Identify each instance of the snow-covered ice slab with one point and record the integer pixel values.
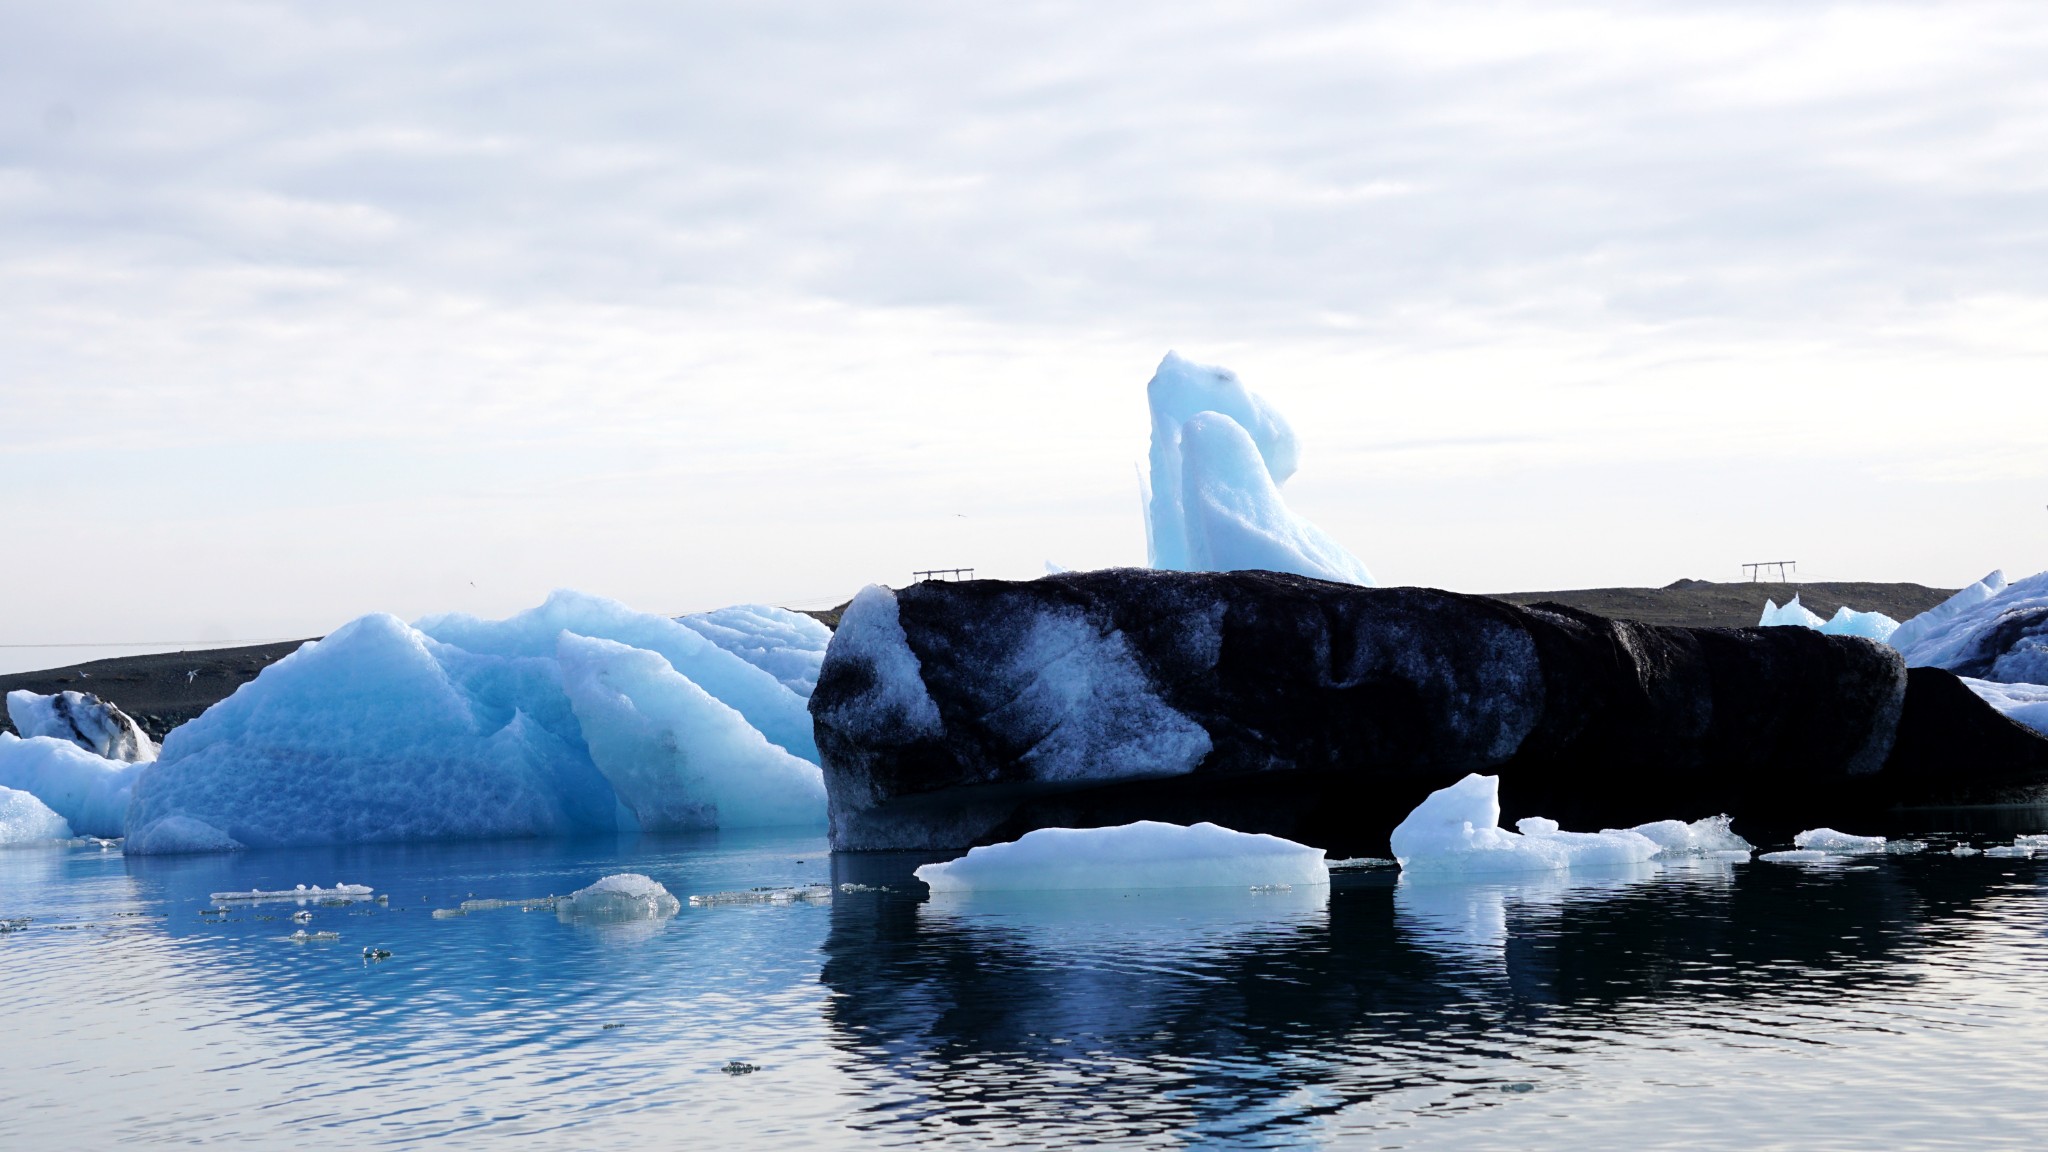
(27, 820)
(622, 896)
(82, 719)
(2026, 703)
(1992, 630)
(89, 791)
(1219, 456)
(301, 893)
(1145, 854)
(1455, 832)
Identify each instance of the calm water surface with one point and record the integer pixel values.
(1880, 1003)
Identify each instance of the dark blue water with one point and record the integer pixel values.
(1881, 1003)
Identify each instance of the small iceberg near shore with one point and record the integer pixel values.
(89, 791)
(1145, 854)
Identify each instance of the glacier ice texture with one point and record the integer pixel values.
(84, 720)
(1218, 458)
(27, 820)
(787, 645)
(1992, 630)
(1845, 622)
(1143, 854)
(88, 790)
(1455, 832)
(622, 896)
(2026, 703)
(579, 716)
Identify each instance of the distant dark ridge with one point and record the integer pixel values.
(160, 690)
(1703, 604)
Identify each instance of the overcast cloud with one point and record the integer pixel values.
(313, 310)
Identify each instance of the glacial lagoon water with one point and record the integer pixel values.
(1868, 1003)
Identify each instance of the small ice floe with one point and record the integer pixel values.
(847, 888)
(2011, 852)
(623, 896)
(1839, 843)
(1146, 854)
(346, 893)
(1455, 832)
(1965, 850)
(302, 917)
(534, 904)
(1361, 864)
(739, 1068)
(304, 937)
(805, 894)
(1711, 838)
(27, 820)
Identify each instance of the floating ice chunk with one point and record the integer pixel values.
(376, 733)
(1219, 456)
(1455, 832)
(676, 757)
(2011, 851)
(27, 820)
(1964, 850)
(624, 896)
(1709, 837)
(1234, 515)
(1839, 843)
(88, 790)
(757, 695)
(1992, 630)
(2025, 703)
(787, 645)
(347, 892)
(1177, 392)
(82, 719)
(1146, 854)
(1793, 614)
(1869, 625)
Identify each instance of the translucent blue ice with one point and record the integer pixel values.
(789, 646)
(88, 790)
(1845, 622)
(27, 820)
(1219, 455)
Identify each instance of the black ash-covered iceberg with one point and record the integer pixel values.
(954, 714)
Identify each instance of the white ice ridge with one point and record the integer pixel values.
(789, 646)
(1146, 854)
(622, 896)
(1992, 630)
(27, 820)
(1845, 622)
(1456, 832)
(82, 719)
(297, 892)
(1219, 456)
(88, 790)
(579, 716)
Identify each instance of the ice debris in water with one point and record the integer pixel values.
(1219, 456)
(1455, 832)
(27, 820)
(301, 893)
(1712, 837)
(623, 896)
(83, 719)
(1145, 854)
(90, 791)
(1965, 850)
(304, 937)
(806, 893)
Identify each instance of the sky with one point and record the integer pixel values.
(312, 310)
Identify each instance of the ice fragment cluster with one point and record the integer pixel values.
(1219, 456)
(623, 896)
(1455, 832)
(1145, 854)
(1845, 622)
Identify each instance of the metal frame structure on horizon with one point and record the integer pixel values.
(1756, 570)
